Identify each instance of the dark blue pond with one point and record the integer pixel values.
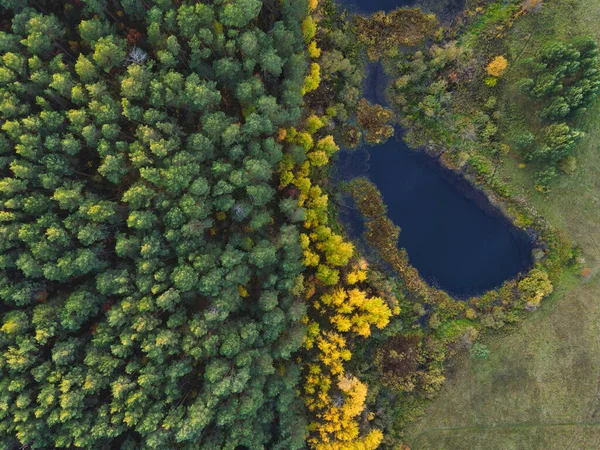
(451, 233)
(456, 239)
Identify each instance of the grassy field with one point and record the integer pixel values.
(540, 386)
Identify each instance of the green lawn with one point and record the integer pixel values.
(540, 387)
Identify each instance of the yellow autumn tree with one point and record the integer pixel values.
(309, 29)
(337, 251)
(328, 275)
(535, 286)
(353, 311)
(316, 208)
(311, 258)
(318, 158)
(497, 67)
(314, 51)
(302, 138)
(338, 428)
(356, 276)
(313, 79)
(314, 123)
(328, 145)
(312, 5)
(333, 351)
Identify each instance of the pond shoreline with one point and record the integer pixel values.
(482, 208)
(484, 198)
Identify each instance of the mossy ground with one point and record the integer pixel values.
(540, 386)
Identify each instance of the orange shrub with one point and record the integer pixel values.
(497, 67)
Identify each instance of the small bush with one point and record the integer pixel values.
(479, 351)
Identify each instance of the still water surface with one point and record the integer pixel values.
(452, 234)
(368, 7)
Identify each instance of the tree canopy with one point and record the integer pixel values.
(148, 274)
(560, 82)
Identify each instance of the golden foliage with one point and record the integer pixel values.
(309, 29)
(328, 145)
(354, 311)
(311, 259)
(535, 287)
(337, 251)
(314, 51)
(471, 314)
(313, 79)
(338, 428)
(335, 400)
(314, 124)
(281, 134)
(356, 276)
(497, 66)
(318, 158)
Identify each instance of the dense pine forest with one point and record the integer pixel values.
(148, 263)
(175, 268)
